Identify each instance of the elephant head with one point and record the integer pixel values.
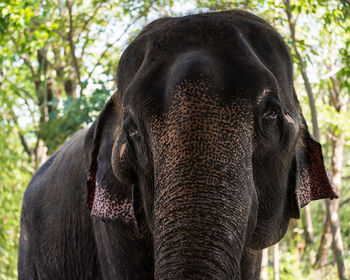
(204, 148)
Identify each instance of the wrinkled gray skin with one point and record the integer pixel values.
(194, 166)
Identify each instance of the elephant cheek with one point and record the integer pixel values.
(264, 237)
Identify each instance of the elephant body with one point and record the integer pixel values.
(194, 166)
(57, 239)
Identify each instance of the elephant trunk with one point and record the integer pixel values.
(205, 201)
(202, 234)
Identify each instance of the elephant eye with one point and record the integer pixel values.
(133, 133)
(271, 114)
(131, 128)
(272, 110)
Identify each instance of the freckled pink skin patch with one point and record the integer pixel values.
(107, 206)
(122, 150)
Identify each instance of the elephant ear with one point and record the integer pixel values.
(313, 180)
(108, 198)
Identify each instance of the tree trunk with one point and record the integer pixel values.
(333, 206)
(326, 239)
(315, 130)
(276, 262)
(302, 66)
(264, 264)
(308, 228)
(40, 154)
(325, 244)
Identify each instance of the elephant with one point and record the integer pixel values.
(195, 164)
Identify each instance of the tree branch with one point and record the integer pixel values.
(28, 150)
(85, 44)
(71, 43)
(24, 57)
(344, 202)
(18, 91)
(60, 34)
(24, 143)
(87, 22)
(16, 88)
(110, 45)
(27, 62)
(27, 104)
(302, 65)
(100, 58)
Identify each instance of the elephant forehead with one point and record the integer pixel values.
(198, 122)
(240, 50)
(228, 75)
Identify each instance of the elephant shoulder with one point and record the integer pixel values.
(54, 212)
(62, 163)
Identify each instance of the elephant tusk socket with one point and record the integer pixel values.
(289, 118)
(122, 150)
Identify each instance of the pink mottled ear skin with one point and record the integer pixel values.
(109, 207)
(314, 182)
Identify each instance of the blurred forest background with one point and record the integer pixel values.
(58, 59)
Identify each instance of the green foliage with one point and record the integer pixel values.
(57, 61)
(75, 114)
(13, 178)
(56, 70)
(289, 268)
